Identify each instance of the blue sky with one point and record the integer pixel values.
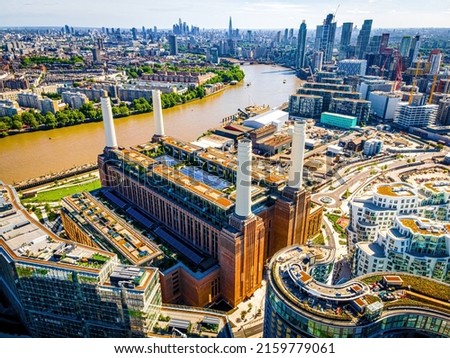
(246, 14)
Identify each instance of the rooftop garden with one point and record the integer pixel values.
(420, 285)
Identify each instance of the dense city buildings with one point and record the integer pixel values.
(326, 216)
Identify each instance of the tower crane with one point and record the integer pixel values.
(433, 87)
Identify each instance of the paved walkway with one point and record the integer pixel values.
(254, 308)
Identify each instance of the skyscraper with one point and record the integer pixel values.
(319, 31)
(230, 29)
(363, 38)
(173, 46)
(327, 37)
(346, 35)
(405, 46)
(301, 46)
(414, 50)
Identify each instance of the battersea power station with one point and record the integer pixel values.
(215, 215)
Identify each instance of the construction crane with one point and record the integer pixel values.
(433, 87)
(335, 13)
(414, 84)
(384, 67)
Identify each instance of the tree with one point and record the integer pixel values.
(17, 124)
(27, 117)
(50, 120)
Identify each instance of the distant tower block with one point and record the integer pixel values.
(244, 179)
(108, 121)
(157, 115)
(298, 156)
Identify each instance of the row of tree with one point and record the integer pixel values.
(38, 60)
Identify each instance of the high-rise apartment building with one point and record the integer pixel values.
(435, 60)
(443, 115)
(317, 61)
(173, 45)
(363, 38)
(67, 289)
(301, 46)
(346, 35)
(384, 42)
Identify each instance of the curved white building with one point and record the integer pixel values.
(401, 228)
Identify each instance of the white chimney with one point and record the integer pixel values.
(108, 121)
(244, 179)
(297, 155)
(157, 113)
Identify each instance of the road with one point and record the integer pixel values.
(364, 177)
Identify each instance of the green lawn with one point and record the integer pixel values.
(57, 194)
(334, 219)
(318, 240)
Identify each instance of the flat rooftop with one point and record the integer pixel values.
(90, 213)
(439, 187)
(198, 188)
(372, 249)
(136, 157)
(395, 190)
(424, 227)
(184, 146)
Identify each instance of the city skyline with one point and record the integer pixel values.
(251, 14)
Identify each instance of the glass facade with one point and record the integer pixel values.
(282, 321)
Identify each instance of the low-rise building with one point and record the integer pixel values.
(338, 120)
(372, 147)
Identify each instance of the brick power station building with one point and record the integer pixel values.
(220, 213)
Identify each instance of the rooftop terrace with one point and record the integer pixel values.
(355, 302)
(395, 190)
(439, 187)
(425, 227)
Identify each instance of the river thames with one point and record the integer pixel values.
(29, 155)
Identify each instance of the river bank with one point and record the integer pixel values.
(44, 127)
